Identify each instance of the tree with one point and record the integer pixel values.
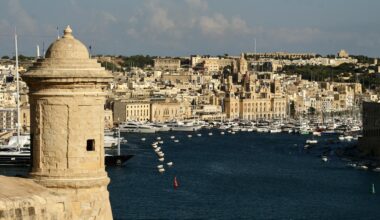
(5, 57)
(311, 111)
(292, 109)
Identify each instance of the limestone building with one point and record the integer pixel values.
(131, 110)
(167, 110)
(170, 64)
(256, 100)
(67, 127)
(8, 119)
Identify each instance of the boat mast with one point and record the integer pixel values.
(17, 95)
(118, 141)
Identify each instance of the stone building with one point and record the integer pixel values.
(108, 118)
(169, 64)
(67, 125)
(282, 55)
(343, 54)
(216, 64)
(256, 100)
(8, 119)
(131, 110)
(25, 118)
(167, 110)
(147, 110)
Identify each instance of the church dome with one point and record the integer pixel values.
(67, 47)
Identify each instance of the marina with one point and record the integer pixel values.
(247, 174)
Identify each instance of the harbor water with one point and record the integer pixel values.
(241, 176)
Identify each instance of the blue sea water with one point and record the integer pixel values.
(242, 176)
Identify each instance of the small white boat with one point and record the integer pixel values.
(362, 167)
(210, 134)
(341, 138)
(161, 154)
(354, 165)
(222, 133)
(158, 149)
(312, 141)
(154, 146)
(176, 141)
(161, 159)
(172, 137)
(158, 138)
(160, 166)
(161, 142)
(316, 133)
(199, 135)
(161, 170)
(306, 146)
(275, 130)
(189, 136)
(348, 138)
(324, 158)
(169, 164)
(262, 129)
(143, 139)
(377, 169)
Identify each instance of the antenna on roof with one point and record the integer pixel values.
(57, 33)
(90, 49)
(43, 49)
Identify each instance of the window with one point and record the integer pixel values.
(90, 145)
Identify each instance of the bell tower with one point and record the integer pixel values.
(66, 91)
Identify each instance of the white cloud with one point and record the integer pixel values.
(159, 20)
(218, 25)
(198, 4)
(108, 17)
(213, 26)
(23, 20)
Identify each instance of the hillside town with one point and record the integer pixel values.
(251, 87)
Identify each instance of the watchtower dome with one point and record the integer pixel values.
(66, 91)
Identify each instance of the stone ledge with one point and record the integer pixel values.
(24, 199)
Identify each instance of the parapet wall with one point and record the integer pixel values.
(22, 198)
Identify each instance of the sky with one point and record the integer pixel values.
(186, 27)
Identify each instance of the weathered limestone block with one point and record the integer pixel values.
(22, 198)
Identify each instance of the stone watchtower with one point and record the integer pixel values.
(67, 126)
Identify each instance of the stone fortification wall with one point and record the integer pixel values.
(22, 198)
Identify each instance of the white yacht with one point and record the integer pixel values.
(160, 127)
(111, 141)
(23, 141)
(183, 126)
(135, 127)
